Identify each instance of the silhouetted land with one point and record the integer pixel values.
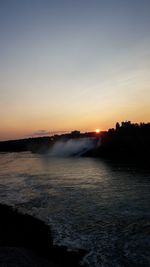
(127, 141)
(39, 144)
(26, 241)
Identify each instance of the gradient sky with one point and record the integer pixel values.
(73, 64)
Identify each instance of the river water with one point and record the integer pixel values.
(89, 203)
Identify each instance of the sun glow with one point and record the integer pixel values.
(97, 130)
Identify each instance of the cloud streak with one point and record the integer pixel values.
(41, 133)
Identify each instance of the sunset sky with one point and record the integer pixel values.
(73, 64)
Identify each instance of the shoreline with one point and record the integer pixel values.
(26, 241)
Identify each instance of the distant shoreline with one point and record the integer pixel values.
(127, 141)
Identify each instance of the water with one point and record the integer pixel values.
(89, 203)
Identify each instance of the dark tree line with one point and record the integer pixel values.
(127, 140)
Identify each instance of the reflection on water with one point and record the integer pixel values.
(90, 203)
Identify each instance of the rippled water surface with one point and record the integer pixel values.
(89, 203)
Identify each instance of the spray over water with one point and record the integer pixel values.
(72, 147)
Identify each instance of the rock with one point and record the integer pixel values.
(26, 241)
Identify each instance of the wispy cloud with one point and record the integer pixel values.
(41, 133)
(46, 133)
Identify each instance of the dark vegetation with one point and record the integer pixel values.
(27, 241)
(128, 141)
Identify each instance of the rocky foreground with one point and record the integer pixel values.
(27, 242)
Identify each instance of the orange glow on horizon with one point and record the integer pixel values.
(97, 130)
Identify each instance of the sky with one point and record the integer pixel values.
(73, 64)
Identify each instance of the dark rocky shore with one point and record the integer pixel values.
(27, 242)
